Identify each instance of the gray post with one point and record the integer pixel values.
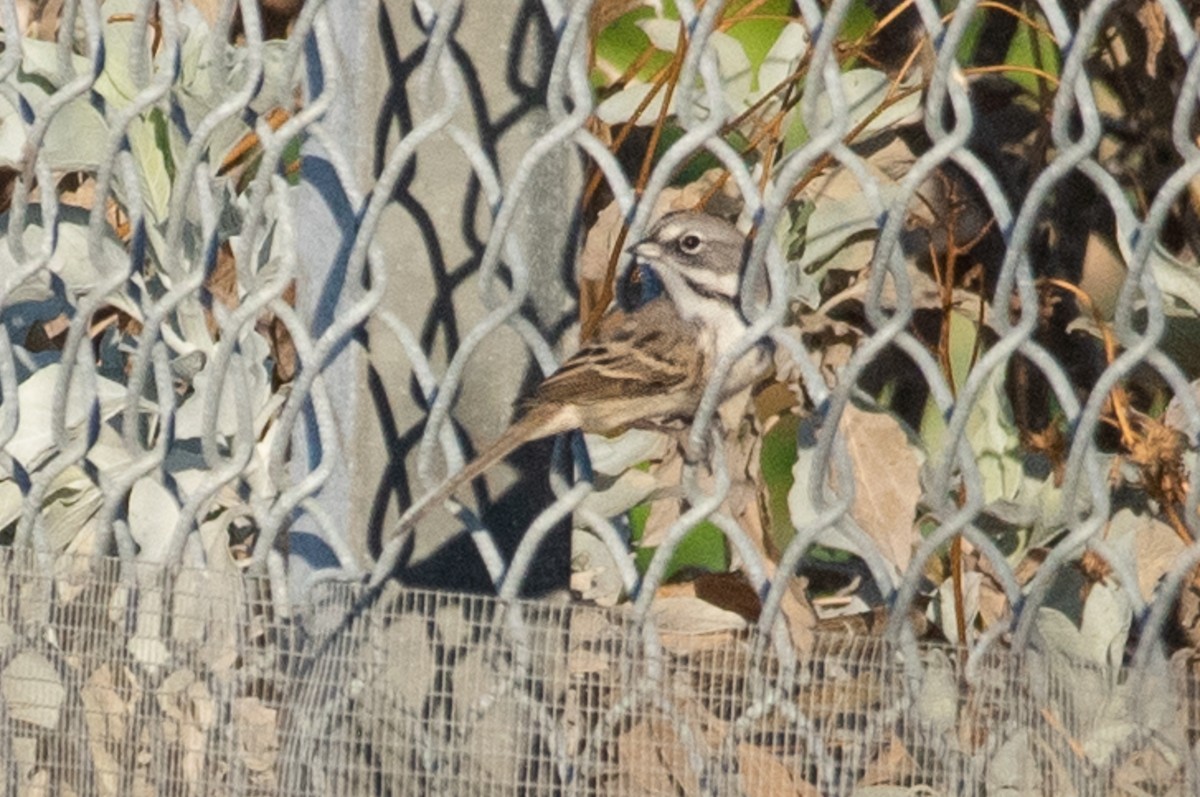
(431, 239)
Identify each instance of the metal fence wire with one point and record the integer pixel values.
(271, 271)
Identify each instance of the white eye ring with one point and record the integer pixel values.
(691, 243)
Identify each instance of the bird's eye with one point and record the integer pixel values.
(690, 244)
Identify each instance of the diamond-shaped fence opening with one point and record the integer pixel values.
(272, 272)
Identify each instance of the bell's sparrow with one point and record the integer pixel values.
(645, 368)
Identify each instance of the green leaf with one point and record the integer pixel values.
(765, 41)
(163, 131)
(970, 39)
(759, 33)
(1180, 282)
(832, 223)
(699, 163)
(291, 160)
(1034, 49)
(776, 457)
(990, 431)
(702, 548)
(964, 342)
(150, 146)
(964, 333)
(620, 44)
(781, 60)
(796, 134)
(637, 522)
(859, 21)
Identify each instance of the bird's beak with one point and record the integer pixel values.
(647, 250)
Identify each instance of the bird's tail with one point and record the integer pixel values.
(542, 420)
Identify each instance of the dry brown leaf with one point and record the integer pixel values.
(887, 488)
(210, 9)
(1146, 766)
(170, 694)
(1157, 547)
(204, 614)
(194, 728)
(1187, 614)
(50, 335)
(654, 760)
(40, 20)
(777, 397)
(406, 680)
(729, 591)
(1154, 23)
(596, 640)
(666, 510)
(1103, 274)
(8, 182)
(795, 606)
(764, 775)
(691, 616)
(501, 735)
(283, 348)
(77, 189)
(476, 681)
(598, 245)
(257, 729)
(32, 690)
(893, 765)
(222, 283)
(105, 714)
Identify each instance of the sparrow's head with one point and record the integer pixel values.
(696, 252)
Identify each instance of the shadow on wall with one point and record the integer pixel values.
(520, 99)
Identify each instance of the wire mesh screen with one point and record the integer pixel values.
(914, 513)
(182, 682)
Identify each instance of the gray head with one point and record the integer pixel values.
(694, 251)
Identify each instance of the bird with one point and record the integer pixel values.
(645, 367)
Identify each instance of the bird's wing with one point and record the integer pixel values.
(644, 353)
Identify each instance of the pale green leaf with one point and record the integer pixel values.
(71, 505)
(152, 517)
(72, 260)
(77, 136)
(834, 222)
(11, 502)
(1097, 634)
(34, 441)
(153, 155)
(1176, 278)
(864, 91)
(782, 59)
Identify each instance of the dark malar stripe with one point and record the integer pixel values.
(706, 292)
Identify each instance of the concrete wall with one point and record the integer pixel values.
(432, 238)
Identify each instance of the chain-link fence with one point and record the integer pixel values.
(272, 271)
